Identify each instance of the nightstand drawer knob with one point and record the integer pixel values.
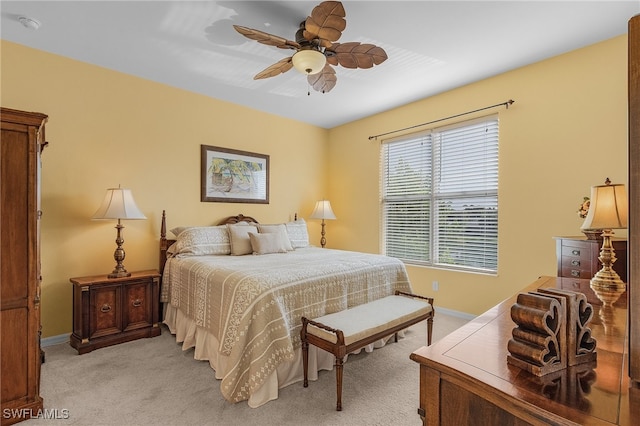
(137, 303)
(575, 262)
(575, 273)
(575, 252)
(105, 308)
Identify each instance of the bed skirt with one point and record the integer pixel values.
(206, 347)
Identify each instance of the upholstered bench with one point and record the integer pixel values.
(346, 331)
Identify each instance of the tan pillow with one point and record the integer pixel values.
(280, 229)
(202, 241)
(267, 243)
(239, 236)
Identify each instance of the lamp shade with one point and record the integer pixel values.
(322, 211)
(608, 207)
(118, 203)
(309, 61)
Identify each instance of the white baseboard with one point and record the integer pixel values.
(54, 340)
(453, 313)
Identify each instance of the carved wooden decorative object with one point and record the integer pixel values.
(551, 331)
(539, 342)
(579, 314)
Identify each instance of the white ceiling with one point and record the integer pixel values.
(433, 46)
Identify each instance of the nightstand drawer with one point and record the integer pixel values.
(107, 311)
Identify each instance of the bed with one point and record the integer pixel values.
(236, 293)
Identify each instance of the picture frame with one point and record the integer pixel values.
(233, 176)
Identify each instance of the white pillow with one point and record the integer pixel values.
(267, 243)
(239, 236)
(203, 240)
(298, 233)
(279, 229)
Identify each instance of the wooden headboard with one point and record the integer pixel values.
(166, 243)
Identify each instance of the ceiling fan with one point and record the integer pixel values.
(316, 49)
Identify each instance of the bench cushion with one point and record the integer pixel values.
(365, 320)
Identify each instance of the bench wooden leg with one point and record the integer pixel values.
(305, 362)
(339, 362)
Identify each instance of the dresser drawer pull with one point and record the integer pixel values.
(105, 308)
(136, 303)
(575, 252)
(575, 262)
(575, 273)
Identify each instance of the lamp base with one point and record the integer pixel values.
(118, 255)
(606, 283)
(119, 274)
(608, 286)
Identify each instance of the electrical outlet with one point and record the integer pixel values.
(435, 285)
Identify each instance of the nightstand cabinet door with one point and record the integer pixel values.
(110, 311)
(137, 306)
(105, 313)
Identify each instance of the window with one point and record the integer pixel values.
(440, 196)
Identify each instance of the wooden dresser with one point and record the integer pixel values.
(578, 262)
(22, 141)
(578, 257)
(465, 378)
(108, 311)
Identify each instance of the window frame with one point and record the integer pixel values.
(486, 208)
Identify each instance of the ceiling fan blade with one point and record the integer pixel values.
(282, 66)
(323, 81)
(326, 22)
(266, 38)
(356, 55)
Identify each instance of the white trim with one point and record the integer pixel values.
(54, 340)
(453, 313)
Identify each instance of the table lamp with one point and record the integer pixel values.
(608, 210)
(323, 211)
(118, 204)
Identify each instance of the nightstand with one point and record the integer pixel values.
(108, 311)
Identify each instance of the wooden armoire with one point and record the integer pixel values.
(22, 141)
(633, 285)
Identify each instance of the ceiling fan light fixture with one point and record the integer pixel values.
(309, 61)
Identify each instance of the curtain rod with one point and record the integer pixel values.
(507, 103)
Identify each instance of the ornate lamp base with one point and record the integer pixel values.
(606, 283)
(118, 255)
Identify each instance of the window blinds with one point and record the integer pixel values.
(439, 195)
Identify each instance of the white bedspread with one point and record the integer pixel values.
(249, 308)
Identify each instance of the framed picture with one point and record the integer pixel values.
(232, 176)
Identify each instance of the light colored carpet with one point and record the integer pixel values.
(153, 382)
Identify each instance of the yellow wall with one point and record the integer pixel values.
(106, 128)
(566, 132)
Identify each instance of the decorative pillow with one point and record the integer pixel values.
(267, 243)
(298, 233)
(239, 236)
(203, 240)
(279, 229)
